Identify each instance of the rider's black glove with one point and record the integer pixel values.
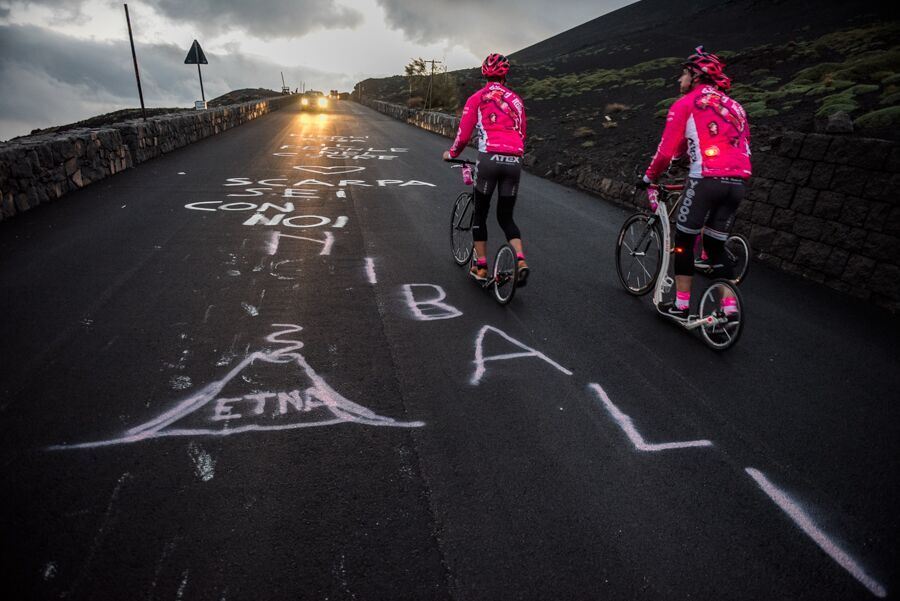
(641, 184)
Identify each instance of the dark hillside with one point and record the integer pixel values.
(658, 28)
(596, 94)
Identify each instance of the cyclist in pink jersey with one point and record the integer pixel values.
(497, 114)
(713, 130)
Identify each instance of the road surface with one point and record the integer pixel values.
(251, 370)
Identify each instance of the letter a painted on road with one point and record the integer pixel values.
(195, 55)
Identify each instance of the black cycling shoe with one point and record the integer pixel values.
(669, 310)
(522, 274)
(701, 264)
(734, 320)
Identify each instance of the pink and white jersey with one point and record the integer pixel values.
(713, 128)
(499, 116)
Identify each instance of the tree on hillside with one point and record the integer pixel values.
(443, 93)
(415, 69)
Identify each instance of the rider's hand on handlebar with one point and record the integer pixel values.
(642, 183)
(447, 156)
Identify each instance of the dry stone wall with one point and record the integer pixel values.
(41, 168)
(439, 123)
(823, 207)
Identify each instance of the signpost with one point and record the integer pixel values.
(137, 73)
(195, 56)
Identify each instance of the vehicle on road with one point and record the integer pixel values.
(643, 251)
(504, 275)
(313, 101)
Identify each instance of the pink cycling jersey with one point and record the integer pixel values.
(499, 115)
(713, 128)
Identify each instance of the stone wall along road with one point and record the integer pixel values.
(41, 168)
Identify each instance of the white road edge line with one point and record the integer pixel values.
(634, 436)
(805, 523)
(370, 270)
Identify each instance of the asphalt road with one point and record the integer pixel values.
(208, 397)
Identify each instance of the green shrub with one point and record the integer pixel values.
(830, 109)
(863, 88)
(880, 119)
(759, 72)
(768, 82)
(890, 99)
(759, 109)
(795, 87)
(829, 86)
(861, 67)
(665, 104)
(855, 41)
(815, 73)
(842, 98)
(891, 79)
(661, 113)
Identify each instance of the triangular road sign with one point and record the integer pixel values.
(195, 55)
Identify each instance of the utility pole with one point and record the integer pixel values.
(137, 73)
(431, 81)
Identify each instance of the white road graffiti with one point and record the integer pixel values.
(806, 524)
(624, 422)
(330, 170)
(311, 402)
(340, 151)
(430, 309)
(480, 359)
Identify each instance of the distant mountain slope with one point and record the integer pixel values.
(596, 94)
(666, 27)
(243, 95)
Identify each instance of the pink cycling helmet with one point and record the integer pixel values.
(495, 65)
(707, 64)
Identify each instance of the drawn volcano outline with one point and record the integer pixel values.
(343, 409)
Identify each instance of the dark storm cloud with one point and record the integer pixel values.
(482, 26)
(48, 78)
(259, 18)
(272, 18)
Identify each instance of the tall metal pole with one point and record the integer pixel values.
(202, 95)
(431, 82)
(137, 74)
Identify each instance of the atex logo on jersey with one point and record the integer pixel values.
(505, 158)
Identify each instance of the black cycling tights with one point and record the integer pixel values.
(723, 266)
(505, 206)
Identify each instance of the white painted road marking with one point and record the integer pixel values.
(480, 359)
(437, 309)
(313, 392)
(370, 270)
(333, 170)
(805, 523)
(634, 436)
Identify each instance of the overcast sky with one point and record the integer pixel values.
(65, 60)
